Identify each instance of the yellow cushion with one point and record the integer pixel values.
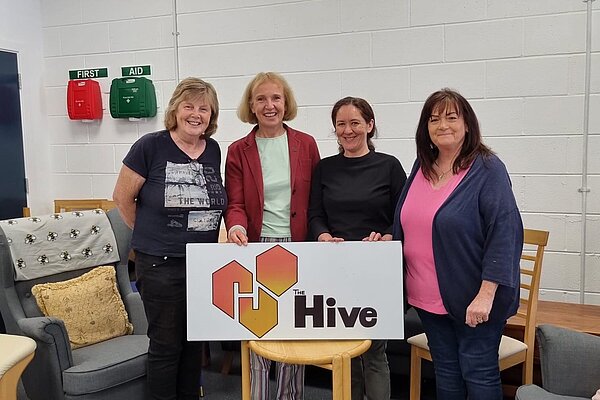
(90, 306)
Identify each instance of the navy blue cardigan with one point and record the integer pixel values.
(477, 235)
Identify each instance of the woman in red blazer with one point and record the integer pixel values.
(268, 178)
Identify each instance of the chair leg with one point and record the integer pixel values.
(10, 379)
(337, 378)
(415, 374)
(245, 370)
(528, 368)
(347, 376)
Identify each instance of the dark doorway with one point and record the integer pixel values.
(13, 195)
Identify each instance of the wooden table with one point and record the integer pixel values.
(579, 317)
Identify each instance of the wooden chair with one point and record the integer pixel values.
(62, 205)
(333, 355)
(512, 351)
(15, 354)
(108, 204)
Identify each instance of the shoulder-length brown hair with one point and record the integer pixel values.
(366, 111)
(192, 89)
(472, 146)
(244, 110)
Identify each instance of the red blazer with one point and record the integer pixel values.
(244, 183)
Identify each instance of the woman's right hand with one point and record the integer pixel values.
(238, 237)
(326, 237)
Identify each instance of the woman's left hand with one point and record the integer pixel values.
(478, 311)
(376, 236)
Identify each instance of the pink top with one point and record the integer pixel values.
(421, 205)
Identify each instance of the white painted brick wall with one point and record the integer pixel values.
(554, 34)
(408, 46)
(184, 6)
(313, 89)
(90, 158)
(553, 115)
(84, 39)
(545, 76)
(381, 85)
(468, 78)
(58, 159)
(433, 12)
(521, 63)
(484, 40)
(297, 19)
(503, 8)
(359, 15)
(61, 12)
(286, 55)
(141, 34)
(500, 117)
(111, 10)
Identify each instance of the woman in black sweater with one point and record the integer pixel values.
(353, 197)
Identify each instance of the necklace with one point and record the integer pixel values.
(443, 174)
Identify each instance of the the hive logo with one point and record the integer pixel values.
(276, 270)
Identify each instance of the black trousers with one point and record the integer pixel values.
(174, 364)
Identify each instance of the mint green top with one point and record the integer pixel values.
(275, 161)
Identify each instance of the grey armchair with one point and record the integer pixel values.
(570, 363)
(112, 369)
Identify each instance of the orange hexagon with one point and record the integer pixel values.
(277, 269)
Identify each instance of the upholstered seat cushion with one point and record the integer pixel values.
(508, 345)
(105, 365)
(13, 349)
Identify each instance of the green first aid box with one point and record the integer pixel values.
(132, 97)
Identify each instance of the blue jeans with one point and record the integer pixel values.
(371, 373)
(174, 364)
(465, 359)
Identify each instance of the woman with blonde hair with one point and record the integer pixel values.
(267, 175)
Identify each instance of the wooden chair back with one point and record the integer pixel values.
(534, 245)
(66, 205)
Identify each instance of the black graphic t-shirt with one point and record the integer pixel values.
(182, 200)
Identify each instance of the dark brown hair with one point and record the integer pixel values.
(472, 146)
(366, 111)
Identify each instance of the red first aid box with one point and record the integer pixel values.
(84, 100)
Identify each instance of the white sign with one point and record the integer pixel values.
(348, 290)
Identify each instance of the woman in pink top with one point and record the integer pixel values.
(463, 237)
